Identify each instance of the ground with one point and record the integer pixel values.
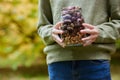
(34, 73)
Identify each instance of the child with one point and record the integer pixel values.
(90, 61)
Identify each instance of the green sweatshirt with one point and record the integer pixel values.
(104, 14)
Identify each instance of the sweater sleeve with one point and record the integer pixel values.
(45, 22)
(110, 31)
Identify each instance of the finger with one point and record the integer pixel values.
(57, 25)
(61, 44)
(58, 40)
(56, 31)
(91, 37)
(89, 42)
(88, 26)
(89, 31)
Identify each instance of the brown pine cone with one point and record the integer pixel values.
(72, 24)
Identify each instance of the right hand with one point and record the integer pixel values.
(55, 32)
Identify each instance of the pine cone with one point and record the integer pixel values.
(72, 24)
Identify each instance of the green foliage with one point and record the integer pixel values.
(118, 43)
(19, 43)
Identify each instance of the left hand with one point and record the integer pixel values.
(93, 34)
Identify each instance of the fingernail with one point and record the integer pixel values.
(81, 31)
(82, 39)
(83, 23)
(62, 31)
(61, 40)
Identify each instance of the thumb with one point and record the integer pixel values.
(57, 25)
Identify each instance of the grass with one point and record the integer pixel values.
(13, 76)
(40, 77)
(115, 69)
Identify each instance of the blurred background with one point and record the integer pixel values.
(21, 49)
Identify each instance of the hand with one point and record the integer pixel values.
(93, 34)
(55, 31)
